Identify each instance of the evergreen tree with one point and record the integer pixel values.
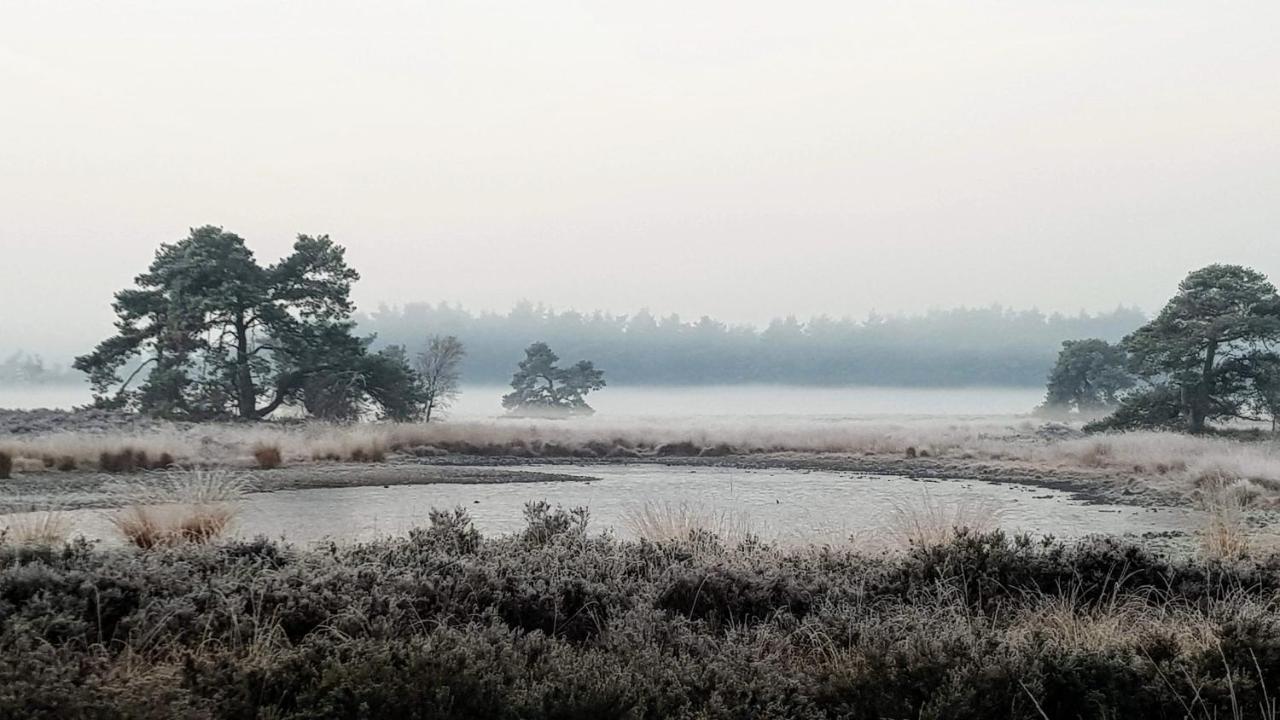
(222, 335)
(540, 387)
(1204, 342)
(1089, 376)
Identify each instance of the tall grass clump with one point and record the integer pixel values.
(191, 506)
(43, 528)
(6, 465)
(931, 522)
(668, 522)
(1225, 536)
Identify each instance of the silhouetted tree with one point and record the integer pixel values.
(539, 387)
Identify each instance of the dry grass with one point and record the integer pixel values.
(1224, 536)
(267, 456)
(664, 522)
(932, 522)
(187, 506)
(128, 460)
(85, 449)
(150, 526)
(1167, 460)
(48, 527)
(1124, 621)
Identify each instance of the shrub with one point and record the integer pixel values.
(735, 595)
(544, 524)
(447, 624)
(267, 456)
(371, 454)
(128, 460)
(451, 530)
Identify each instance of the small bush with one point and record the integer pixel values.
(544, 524)
(371, 454)
(452, 530)
(267, 456)
(130, 460)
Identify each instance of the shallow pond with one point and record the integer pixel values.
(786, 505)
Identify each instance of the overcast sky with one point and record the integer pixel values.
(739, 159)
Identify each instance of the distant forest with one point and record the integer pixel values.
(21, 368)
(964, 346)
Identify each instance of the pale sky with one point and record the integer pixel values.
(739, 159)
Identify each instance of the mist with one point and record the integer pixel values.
(727, 160)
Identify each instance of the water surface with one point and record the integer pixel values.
(787, 505)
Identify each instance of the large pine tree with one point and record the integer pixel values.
(209, 332)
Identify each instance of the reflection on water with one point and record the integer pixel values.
(783, 504)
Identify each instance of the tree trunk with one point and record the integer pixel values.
(1200, 400)
(246, 394)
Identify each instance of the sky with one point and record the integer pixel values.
(739, 159)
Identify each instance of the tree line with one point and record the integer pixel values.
(965, 346)
(1212, 354)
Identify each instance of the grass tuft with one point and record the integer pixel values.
(667, 522)
(43, 528)
(932, 522)
(267, 456)
(194, 506)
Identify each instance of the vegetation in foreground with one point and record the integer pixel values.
(555, 623)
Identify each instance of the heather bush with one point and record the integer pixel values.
(452, 529)
(555, 623)
(544, 523)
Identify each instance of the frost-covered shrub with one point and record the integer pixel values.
(560, 624)
(544, 523)
(452, 530)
